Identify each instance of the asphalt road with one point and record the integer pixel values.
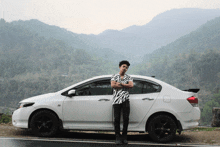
(80, 139)
(21, 142)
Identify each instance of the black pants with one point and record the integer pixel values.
(125, 108)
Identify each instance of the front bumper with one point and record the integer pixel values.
(20, 117)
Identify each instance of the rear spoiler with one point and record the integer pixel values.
(192, 90)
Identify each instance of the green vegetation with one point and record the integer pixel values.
(5, 118)
(206, 115)
(33, 65)
(203, 39)
(205, 129)
(192, 61)
(192, 71)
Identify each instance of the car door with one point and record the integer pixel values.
(90, 108)
(142, 98)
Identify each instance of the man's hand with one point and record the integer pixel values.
(129, 85)
(116, 85)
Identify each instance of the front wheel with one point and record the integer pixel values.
(44, 123)
(162, 128)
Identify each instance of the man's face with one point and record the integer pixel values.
(123, 68)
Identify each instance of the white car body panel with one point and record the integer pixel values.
(20, 117)
(51, 101)
(88, 113)
(140, 104)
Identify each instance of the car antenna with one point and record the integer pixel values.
(153, 76)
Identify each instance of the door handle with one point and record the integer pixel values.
(148, 99)
(104, 99)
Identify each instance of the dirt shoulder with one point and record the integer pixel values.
(187, 137)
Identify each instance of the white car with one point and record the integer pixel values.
(155, 107)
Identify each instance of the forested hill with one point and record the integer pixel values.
(133, 42)
(204, 38)
(32, 65)
(23, 51)
(77, 41)
(160, 31)
(192, 61)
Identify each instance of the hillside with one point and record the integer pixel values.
(193, 55)
(31, 64)
(162, 30)
(191, 61)
(204, 38)
(133, 42)
(77, 41)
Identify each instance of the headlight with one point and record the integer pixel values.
(22, 105)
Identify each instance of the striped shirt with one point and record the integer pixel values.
(120, 95)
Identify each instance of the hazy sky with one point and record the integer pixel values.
(94, 16)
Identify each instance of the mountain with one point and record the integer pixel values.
(192, 61)
(162, 30)
(77, 41)
(32, 64)
(133, 42)
(22, 52)
(205, 38)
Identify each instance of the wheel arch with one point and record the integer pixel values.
(178, 124)
(41, 109)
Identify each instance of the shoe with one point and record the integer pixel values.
(118, 140)
(124, 139)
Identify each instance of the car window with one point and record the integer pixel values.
(150, 87)
(137, 88)
(141, 87)
(96, 88)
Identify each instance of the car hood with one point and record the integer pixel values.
(43, 97)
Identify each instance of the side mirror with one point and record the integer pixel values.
(71, 92)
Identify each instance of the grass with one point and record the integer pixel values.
(5, 119)
(205, 129)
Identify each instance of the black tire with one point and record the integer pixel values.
(162, 128)
(44, 123)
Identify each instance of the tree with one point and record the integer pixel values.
(206, 116)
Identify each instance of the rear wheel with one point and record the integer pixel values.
(162, 128)
(44, 123)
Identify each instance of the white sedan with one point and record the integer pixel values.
(156, 107)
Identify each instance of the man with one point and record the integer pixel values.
(121, 83)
